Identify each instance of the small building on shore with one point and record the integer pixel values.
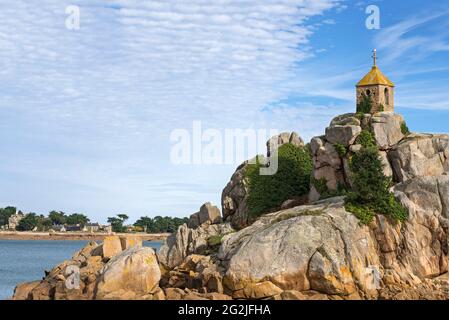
(91, 227)
(106, 228)
(58, 228)
(74, 228)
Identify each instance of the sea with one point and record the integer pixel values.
(26, 260)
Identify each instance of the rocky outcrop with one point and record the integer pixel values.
(286, 137)
(423, 239)
(196, 272)
(132, 273)
(331, 258)
(74, 279)
(331, 152)
(403, 156)
(234, 198)
(235, 194)
(386, 129)
(130, 242)
(22, 290)
(208, 214)
(420, 155)
(111, 246)
(186, 241)
(344, 135)
(339, 256)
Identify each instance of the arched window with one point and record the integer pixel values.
(368, 93)
(387, 96)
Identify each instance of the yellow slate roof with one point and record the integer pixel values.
(375, 76)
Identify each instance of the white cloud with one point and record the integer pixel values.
(400, 42)
(91, 109)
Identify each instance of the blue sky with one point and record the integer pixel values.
(86, 115)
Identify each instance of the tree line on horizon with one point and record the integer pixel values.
(32, 221)
(157, 224)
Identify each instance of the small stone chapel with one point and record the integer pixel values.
(376, 87)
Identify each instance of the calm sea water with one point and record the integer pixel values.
(23, 260)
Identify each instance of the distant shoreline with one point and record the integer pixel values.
(16, 235)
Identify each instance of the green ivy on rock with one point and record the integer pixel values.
(292, 179)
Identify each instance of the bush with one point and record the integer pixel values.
(321, 186)
(77, 218)
(365, 105)
(214, 241)
(5, 213)
(117, 222)
(28, 223)
(404, 129)
(341, 149)
(268, 192)
(160, 224)
(370, 193)
(366, 139)
(364, 213)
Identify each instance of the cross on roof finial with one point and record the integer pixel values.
(375, 57)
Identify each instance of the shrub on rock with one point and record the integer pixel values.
(370, 193)
(366, 139)
(365, 104)
(292, 179)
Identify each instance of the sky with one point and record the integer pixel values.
(87, 114)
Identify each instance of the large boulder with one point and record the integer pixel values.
(420, 155)
(129, 241)
(135, 270)
(194, 220)
(387, 169)
(345, 119)
(261, 290)
(111, 246)
(332, 257)
(421, 243)
(325, 153)
(386, 129)
(234, 198)
(332, 176)
(22, 291)
(209, 213)
(186, 241)
(344, 135)
(285, 137)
